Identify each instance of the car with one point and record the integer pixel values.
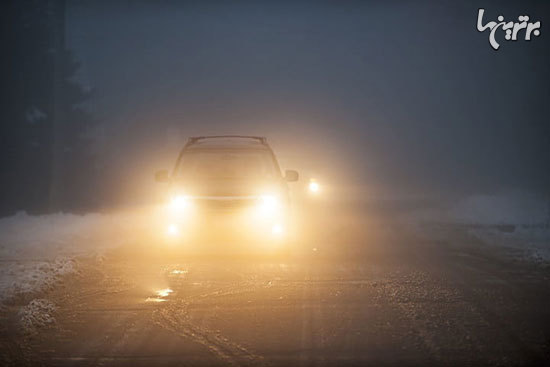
(227, 191)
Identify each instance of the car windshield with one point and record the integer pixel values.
(227, 164)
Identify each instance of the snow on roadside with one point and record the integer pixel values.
(37, 314)
(512, 220)
(38, 252)
(61, 234)
(533, 242)
(20, 281)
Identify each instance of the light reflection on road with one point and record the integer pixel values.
(162, 294)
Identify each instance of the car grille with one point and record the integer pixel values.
(225, 204)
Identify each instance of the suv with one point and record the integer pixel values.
(227, 189)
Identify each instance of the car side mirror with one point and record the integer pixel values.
(161, 176)
(291, 175)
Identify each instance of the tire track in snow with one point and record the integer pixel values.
(175, 318)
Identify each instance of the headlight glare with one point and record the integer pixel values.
(180, 203)
(172, 230)
(314, 187)
(277, 230)
(269, 205)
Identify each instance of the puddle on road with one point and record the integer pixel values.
(179, 272)
(154, 299)
(161, 295)
(164, 292)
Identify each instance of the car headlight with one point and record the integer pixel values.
(172, 230)
(269, 205)
(180, 203)
(277, 230)
(314, 187)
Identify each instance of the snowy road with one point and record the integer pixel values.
(402, 302)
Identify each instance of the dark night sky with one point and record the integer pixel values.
(405, 96)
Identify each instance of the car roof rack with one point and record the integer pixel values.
(194, 139)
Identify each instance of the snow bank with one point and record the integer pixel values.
(513, 220)
(529, 242)
(49, 236)
(20, 281)
(37, 252)
(38, 313)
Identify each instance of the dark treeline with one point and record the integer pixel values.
(45, 147)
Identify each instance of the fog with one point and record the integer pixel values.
(418, 232)
(388, 99)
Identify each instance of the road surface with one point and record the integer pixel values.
(404, 301)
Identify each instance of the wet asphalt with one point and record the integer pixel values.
(400, 300)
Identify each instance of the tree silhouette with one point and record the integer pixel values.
(44, 149)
